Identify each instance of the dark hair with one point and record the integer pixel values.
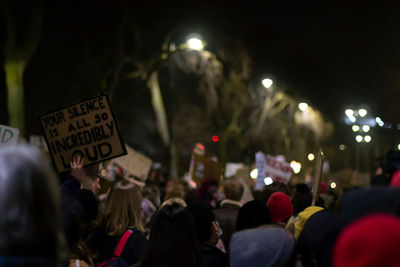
(29, 206)
(233, 190)
(173, 240)
(302, 198)
(252, 215)
(203, 218)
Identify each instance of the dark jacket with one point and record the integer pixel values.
(104, 246)
(212, 256)
(226, 217)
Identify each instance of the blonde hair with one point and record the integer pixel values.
(122, 209)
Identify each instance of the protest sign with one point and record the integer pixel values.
(231, 168)
(260, 165)
(8, 135)
(135, 163)
(205, 168)
(318, 171)
(88, 128)
(278, 169)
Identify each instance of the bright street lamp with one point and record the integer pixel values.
(398, 146)
(367, 138)
(355, 128)
(366, 128)
(362, 112)
(311, 157)
(349, 113)
(359, 138)
(296, 166)
(333, 185)
(254, 174)
(195, 43)
(267, 83)
(303, 106)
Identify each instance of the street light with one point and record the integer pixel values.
(195, 43)
(333, 185)
(355, 128)
(349, 113)
(342, 147)
(254, 174)
(362, 112)
(296, 166)
(366, 128)
(311, 157)
(303, 106)
(367, 138)
(267, 83)
(359, 138)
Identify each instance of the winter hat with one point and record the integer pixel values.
(302, 219)
(323, 188)
(280, 207)
(371, 241)
(395, 179)
(266, 246)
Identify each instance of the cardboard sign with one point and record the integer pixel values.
(205, 168)
(8, 135)
(135, 163)
(319, 163)
(88, 127)
(277, 169)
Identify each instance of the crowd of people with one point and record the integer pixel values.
(50, 219)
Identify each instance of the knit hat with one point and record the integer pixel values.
(371, 241)
(395, 179)
(252, 215)
(266, 246)
(280, 207)
(302, 219)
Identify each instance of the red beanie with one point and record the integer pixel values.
(280, 207)
(371, 241)
(395, 179)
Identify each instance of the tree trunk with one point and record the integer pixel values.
(14, 79)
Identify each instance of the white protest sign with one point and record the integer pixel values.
(8, 135)
(260, 165)
(231, 168)
(277, 169)
(135, 163)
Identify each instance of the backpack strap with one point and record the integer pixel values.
(122, 242)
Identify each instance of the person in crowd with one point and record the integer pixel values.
(30, 228)
(173, 241)
(73, 187)
(226, 215)
(175, 190)
(150, 204)
(252, 215)
(317, 238)
(208, 232)
(121, 215)
(302, 218)
(71, 219)
(360, 202)
(301, 199)
(209, 193)
(371, 241)
(280, 207)
(264, 246)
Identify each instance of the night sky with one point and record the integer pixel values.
(331, 54)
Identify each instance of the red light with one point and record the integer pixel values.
(215, 138)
